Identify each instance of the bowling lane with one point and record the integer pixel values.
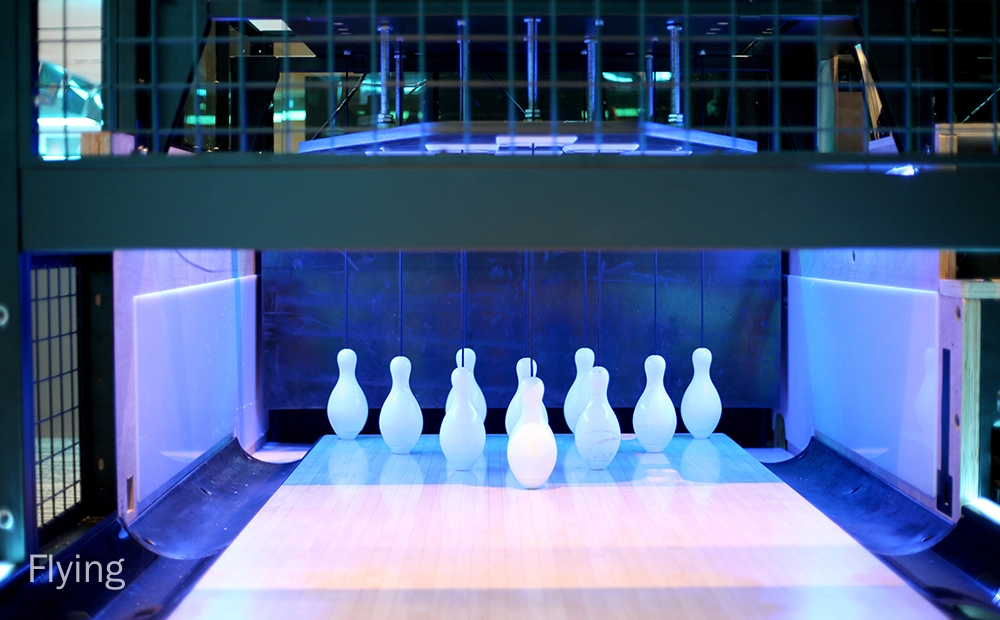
(701, 530)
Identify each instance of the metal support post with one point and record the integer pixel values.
(650, 103)
(399, 80)
(463, 71)
(384, 116)
(532, 112)
(595, 112)
(676, 117)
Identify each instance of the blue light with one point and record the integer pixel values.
(906, 170)
(620, 78)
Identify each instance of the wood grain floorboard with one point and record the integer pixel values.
(702, 530)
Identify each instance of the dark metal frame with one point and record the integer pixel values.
(95, 435)
(52, 518)
(16, 66)
(763, 201)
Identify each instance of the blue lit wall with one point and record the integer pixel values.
(607, 301)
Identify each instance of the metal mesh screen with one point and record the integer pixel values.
(55, 376)
(644, 77)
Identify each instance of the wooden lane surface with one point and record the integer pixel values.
(699, 531)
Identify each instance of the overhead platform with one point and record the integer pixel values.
(702, 530)
(541, 138)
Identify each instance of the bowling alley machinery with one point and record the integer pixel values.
(499, 309)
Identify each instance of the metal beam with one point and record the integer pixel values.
(14, 51)
(761, 201)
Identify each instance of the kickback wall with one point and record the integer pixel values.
(624, 305)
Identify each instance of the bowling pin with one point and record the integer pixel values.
(655, 419)
(463, 435)
(531, 451)
(701, 407)
(579, 393)
(515, 406)
(347, 408)
(597, 431)
(478, 400)
(400, 419)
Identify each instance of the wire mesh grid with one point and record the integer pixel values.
(638, 77)
(55, 378)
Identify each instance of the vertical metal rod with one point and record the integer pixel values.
(553, 72)
(646, 68)
(531, 112)
(650, 85)
(463, 71)
(57, 356)
(424, 113)
(776, 72)
(732, 115)
(676, 117)
(993, 104)
(593, 91)
(286, 89)
(684, 80)
(64, 82)
(908, 105)
(195, 78)
(384, 116)
(399, 82)
(36, 414)
(331, 97)
(74, 411)
(241, 86)
(511, 72)
(951, 61)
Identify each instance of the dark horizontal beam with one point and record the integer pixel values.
(762, 201)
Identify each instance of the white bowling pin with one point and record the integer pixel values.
(515, 406)
(597, 431)
(347, 408)
(400, 419)
(655, 419)
(531, 451)
(701, 407)
(463, 435)
(478, 400)
(579, 393)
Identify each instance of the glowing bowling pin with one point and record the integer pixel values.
(701, 407)
(478, 400)
(463, 435)
(579, 393)
(515, 406)
(347, 408)
(531, 451)
(655, 419)
(400, 419)
(597, 431)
